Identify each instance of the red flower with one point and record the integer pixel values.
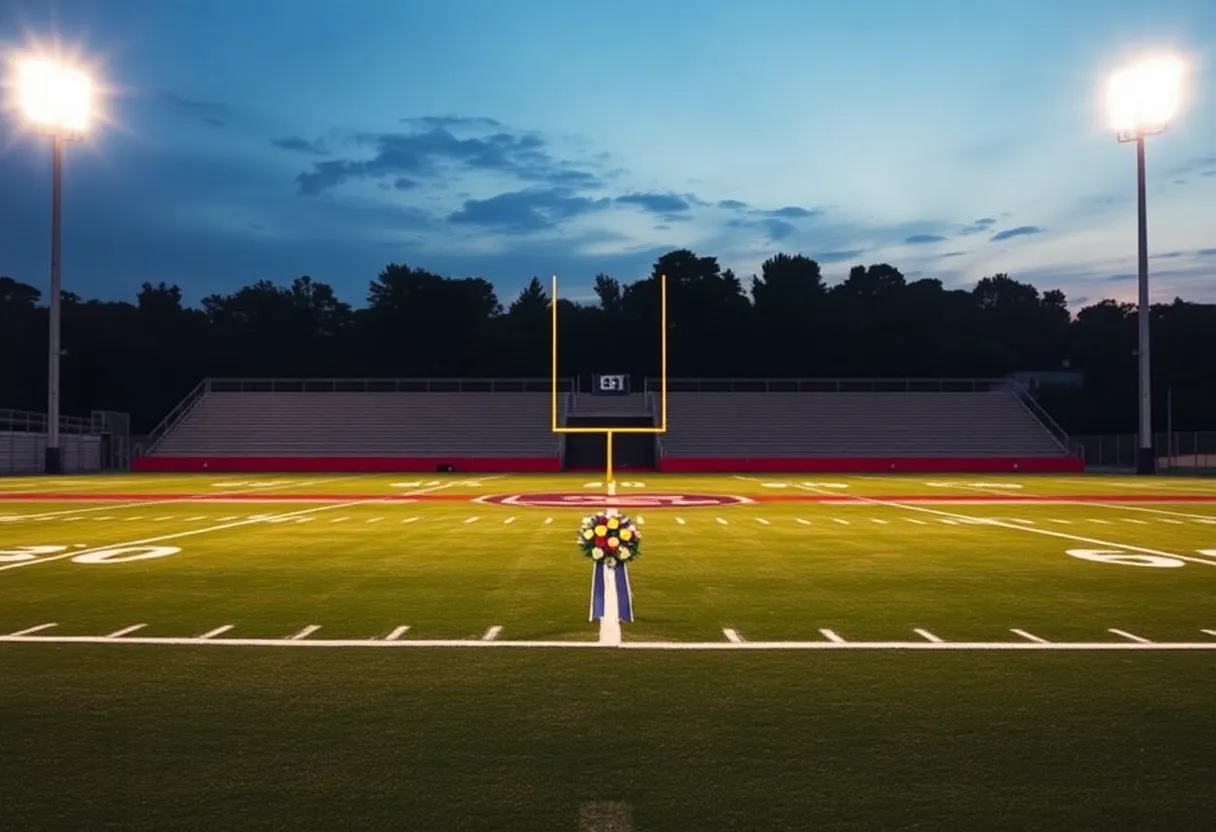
(601, 542)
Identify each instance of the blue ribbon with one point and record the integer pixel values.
(624, 593)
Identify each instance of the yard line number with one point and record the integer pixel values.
(1122, 558)
(117, 554)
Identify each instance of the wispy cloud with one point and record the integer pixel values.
(1020, 231)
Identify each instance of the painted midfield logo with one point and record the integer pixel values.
(573, 500)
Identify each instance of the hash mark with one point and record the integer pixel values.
(804, 522)
(125, 630)
(1029, 636)
(508, 521)
(831, 636)
(723, 522)
(1096, 520)
(1206, 632)
(1130, 520)
(548, 520)
(927, 636)
(492, 633)
(409, 520)
(1171, 522)
(30, 630)
(841, 522)
(732, 636)
(339, 519)
(471, 520)
(914, 520)
(1129, 636)
(306, 632)
(397, 633)
(762, 521)
(879, 522)
(680, 520)
(1062, 522)
(217, 631)
(375, 520)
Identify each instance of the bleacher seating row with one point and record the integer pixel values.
(700, 425)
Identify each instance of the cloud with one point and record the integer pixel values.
(793, 212)
(732, 205)
(454, 122)
(526, 211)
(299, 145)
(1204, 165)
(778, 229)
(953, 254)
(214, 113)
(838, 256)
(437, 151)
(1206, 252)
(663, 204)
(1020, 231)
(403, 184)
(922, 239)
(978, 226)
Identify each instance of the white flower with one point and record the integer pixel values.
(623, 553)
(610, 563)
(597, 553)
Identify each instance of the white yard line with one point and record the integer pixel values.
(147, 541)
(1016, 527)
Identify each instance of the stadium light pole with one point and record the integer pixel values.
(1141, 100)
(57, 100)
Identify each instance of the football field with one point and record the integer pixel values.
(414, 651)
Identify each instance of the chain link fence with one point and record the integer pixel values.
(1180, 452)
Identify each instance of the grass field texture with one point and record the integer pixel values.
(275, 652)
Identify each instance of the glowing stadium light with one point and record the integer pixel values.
(1143, 98)
(55, 98)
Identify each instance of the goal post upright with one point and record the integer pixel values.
(609, 432)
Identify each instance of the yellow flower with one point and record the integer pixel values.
(613, 523)
(600, 531)
(613, 543)
(623, 553)
(626, 534)
(588, 534)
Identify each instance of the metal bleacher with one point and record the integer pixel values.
(243, 419)
(990, 419)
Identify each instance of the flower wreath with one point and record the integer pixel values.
(610, 537)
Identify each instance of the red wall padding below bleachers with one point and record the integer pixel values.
(875, 465)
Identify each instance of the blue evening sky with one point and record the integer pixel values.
(249, 139)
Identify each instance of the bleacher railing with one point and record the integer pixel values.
(830, 385)
(24, 421)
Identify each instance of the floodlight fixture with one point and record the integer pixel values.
(55, 98)
(1142, 99)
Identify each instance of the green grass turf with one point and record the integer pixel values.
(159, 736)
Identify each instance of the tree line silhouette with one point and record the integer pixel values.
(142, 357)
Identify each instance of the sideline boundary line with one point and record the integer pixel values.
(205, 530)
(151, 500)
(627, 645)
(1001, 524)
